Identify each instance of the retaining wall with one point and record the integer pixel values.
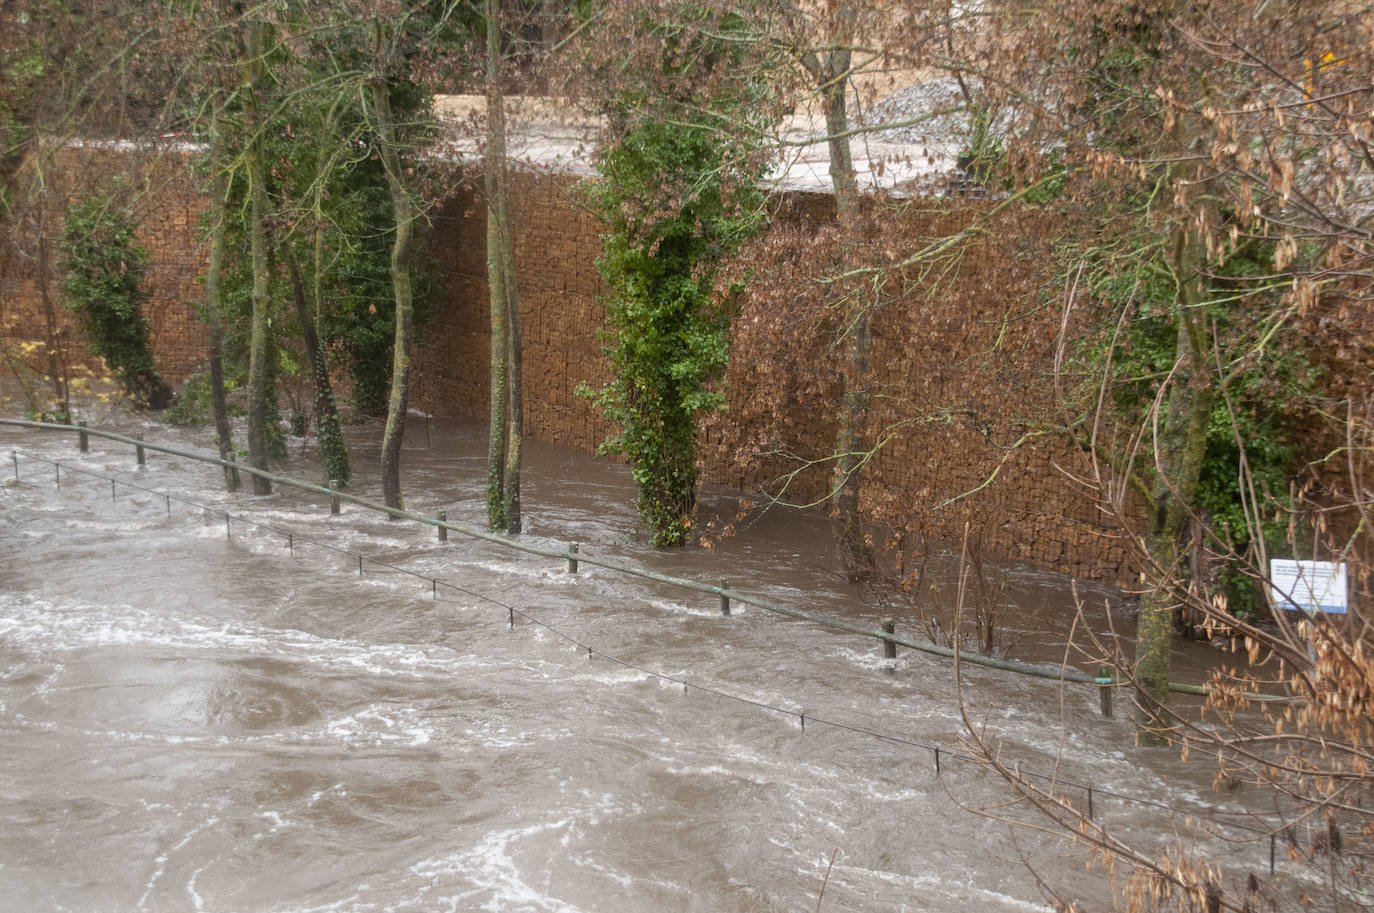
(1029, 513)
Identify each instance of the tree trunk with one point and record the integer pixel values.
(515, 409)
(1179, 453)
(507, 399)
(852, 442)
(57, 374)
(497, 429)
(213, 321)
(258, 352)
(333, 453)
(401, 290)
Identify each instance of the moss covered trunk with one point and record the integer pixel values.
(507, 395)
(258, 348)
(404, 216)
(214, 322)
(1185, 414)
(333, 453)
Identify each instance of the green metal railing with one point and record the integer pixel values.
(575, 557)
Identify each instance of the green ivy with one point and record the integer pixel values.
(1266, 387)
(193, 404)
(679, 193)
(104, 286)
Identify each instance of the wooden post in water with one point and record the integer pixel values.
(83, 440)
(139, 455)
(14, 456)
(724, 598)
(334, 499)
(443, 530)
(572, 557)
(1104, 692)
(889, 648)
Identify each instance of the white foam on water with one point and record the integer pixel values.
(949, 890)
(160, 862)
(191, 889)
(619, 675)
(30, 623)
(490, 867)
(508, 571)
(381, 726)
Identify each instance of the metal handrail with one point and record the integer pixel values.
(573, 555)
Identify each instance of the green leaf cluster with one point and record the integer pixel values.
(104, 286)
(1267, 387)
(679, 193)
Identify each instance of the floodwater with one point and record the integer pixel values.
(195, 718)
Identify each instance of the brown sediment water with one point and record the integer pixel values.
(195, 721)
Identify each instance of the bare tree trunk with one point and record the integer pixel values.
(507, 397)
(404, 217)
(213, 321)
(497, 428)
(258, 352)
(515, 409)
(57, 374)
(832, 75)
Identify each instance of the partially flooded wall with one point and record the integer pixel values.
(960, 373)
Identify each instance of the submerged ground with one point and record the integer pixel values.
(200, 718)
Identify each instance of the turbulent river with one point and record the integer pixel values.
(201, 718)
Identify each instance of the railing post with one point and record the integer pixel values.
(14, 456)
(443, 530)
(83, 440)
(1104, 691)
(889, 648)
(572, 557)
(333, 498)
(138, 453)
(724, 598)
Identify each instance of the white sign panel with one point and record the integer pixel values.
(1311, 586)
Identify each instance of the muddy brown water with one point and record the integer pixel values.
(195, 721)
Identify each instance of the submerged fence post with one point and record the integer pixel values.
(83, 440)
(889, 648)
(724, 597)
(138, 453)
(1104, 691)
(14, 456)
(443, 530)
(333, 498)
(572, 557)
